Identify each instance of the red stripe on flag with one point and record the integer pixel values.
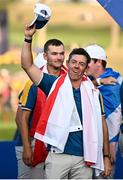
(41, 127)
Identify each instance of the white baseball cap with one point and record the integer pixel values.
(97, 52)
(42, 15)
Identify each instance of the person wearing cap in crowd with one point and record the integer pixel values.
(110, 93)
(32, 102)
(66, 120)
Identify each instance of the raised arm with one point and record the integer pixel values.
(33, 72)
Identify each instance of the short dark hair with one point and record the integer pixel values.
(103, 62)
(80, 51)
(53, 42)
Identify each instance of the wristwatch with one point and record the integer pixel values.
(28, 40)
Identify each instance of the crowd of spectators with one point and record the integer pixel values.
(10, 85)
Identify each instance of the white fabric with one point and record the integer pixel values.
(59, 126)
(96, 51)
(44, 69)
(72, 113)
(39, 61)
(39, 8)
(42, 12)
(62, 120)
(114, 126)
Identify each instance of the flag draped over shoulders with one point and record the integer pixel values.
(60, 117)
(40, 151)
(112, 104)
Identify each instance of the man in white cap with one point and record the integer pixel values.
(110, 92)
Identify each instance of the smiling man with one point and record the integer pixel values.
(68, 127)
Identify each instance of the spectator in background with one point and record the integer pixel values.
(6, 109)
(7, 98)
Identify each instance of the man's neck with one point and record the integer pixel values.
(76, 84)
(53, 71)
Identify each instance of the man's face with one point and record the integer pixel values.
(76, 67)
(55, 56)
(92, 68)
